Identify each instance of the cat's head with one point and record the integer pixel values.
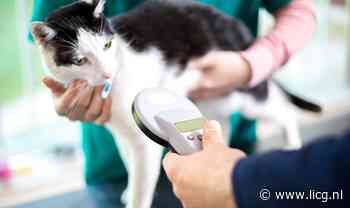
(76, 42)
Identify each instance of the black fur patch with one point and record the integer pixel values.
(184, 30)
(259, 92)
(181, 29)
(66, 21)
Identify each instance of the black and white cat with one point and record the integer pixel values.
(151, 46)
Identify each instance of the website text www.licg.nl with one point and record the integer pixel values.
(324, 196)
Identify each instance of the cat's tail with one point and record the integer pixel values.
(299, 101)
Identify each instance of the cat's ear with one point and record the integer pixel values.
(99, 6)
(42, 33)
(88, 1)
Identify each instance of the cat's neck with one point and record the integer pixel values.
(137, 70)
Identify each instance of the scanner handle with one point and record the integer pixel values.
(187, 143)
(184, 143)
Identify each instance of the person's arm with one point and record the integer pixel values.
(219, 176)
(294, 26)
(320, 167)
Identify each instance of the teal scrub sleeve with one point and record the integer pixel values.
(274, 5)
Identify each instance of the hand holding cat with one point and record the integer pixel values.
(223, 72)
(203, 179)
(80, 102)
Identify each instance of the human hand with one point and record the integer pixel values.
(203, 179)
(223, 72)
(80, 102)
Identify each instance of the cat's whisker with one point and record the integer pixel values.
(68, 35)
(101, 26)
(71, 23)
(65, 46)
(63, 25)
(72, 44)
(79, 21)
(130, 42)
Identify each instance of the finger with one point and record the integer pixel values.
(171, 163)
(106, 112)
(202, 88)
(73, 114)
(81, 101)
(212, 134)
(64, 102)
(205, 94)
(203, 63)
(199, 95)
(207, 83)
(86, 96)
(54, 86)
(96, 105)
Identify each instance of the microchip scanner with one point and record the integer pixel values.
(169, 119)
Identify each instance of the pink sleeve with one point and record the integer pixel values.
(294, 26)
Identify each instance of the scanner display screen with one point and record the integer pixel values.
(190, 125)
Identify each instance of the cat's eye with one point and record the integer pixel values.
(80, 61)
(108, 45)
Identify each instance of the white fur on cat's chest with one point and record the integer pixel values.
(138, 71)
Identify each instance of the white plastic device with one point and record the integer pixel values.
(107, 87)
(169, 119)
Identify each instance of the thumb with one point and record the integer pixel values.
(212, 134)
(54, 86)
(171, 164)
